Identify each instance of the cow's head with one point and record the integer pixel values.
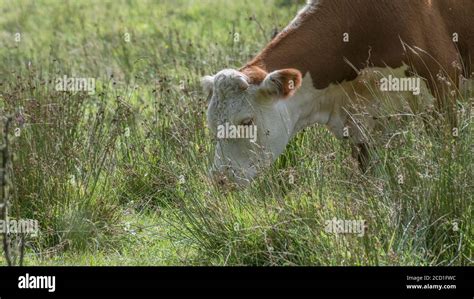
(252, 100)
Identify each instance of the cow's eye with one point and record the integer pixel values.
(247, 122)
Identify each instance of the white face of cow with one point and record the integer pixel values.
(250, 121)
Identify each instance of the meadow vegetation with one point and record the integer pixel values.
(119, 177)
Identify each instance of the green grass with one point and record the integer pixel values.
(119, 177)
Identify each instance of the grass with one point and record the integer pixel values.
(119, 177)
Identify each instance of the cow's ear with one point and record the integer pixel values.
(281, 83)
(207, 82)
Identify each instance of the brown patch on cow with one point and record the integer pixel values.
(254, 73)
(290, 80)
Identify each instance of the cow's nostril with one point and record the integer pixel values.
(219, 178)
(221, 181)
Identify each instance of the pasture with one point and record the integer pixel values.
(119, 176)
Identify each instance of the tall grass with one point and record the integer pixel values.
(63, 158)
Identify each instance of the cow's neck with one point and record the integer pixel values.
(309, 106)
(308, 45)
(311, 45)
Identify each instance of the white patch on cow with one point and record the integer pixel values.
(306, 107)
(330, 106)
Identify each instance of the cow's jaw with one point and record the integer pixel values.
(239, 160)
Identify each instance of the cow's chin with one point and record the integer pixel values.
(239, 172)
(233, 178)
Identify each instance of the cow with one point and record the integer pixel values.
(330, 59)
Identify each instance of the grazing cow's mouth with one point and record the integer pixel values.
(230, 178)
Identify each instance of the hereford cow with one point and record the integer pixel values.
(331, 58)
